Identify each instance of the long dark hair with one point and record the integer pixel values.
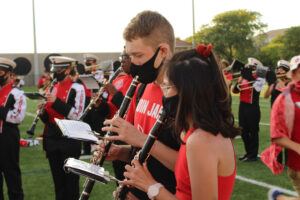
(203, 94)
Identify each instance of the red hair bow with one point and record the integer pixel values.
(204, 50)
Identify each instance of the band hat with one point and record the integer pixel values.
(254, 62)
(294, 64)
(6, 63)
(89, 56)
(61, 62)
(283, 63)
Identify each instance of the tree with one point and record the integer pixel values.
(281, 47)
(232, 33)
(272, 52)
(291, 42)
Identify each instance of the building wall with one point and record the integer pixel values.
(29, 79)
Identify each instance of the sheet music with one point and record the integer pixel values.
(76, 129)
(89, 81)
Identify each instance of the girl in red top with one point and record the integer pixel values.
(205, 166)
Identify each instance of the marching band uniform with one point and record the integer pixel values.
(69, 104)
(249, 110)
(12, 113)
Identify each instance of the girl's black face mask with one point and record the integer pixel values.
(170, 105)
(146, 72)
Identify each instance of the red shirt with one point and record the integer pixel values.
(121, 83)
(147, 110)
(293, 160)
(183, 188)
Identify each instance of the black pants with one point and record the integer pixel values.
(249, 118)
(66, 184)
(9, 164)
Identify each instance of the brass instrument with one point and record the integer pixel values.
(239, 85)
(104, 66)
(282, 77)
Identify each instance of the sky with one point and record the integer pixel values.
(97, 25)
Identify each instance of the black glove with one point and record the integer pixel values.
(271, 77)
(246, 73)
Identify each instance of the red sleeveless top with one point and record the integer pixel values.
(183, 188)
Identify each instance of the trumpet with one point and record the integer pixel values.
(104, 65)
(240, 85)
(99, 93)
(31, 130)
(282, 76)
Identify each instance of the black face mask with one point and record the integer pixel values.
(3, 80)
(146, 72)
(59, 76)
(170, 105)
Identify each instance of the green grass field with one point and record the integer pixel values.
(37, 180)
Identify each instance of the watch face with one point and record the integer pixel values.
(153, 190)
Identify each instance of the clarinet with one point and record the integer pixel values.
(89, 183)
(144, 153)
(99, 93)
(31, 130)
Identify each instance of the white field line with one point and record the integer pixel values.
(266, 185)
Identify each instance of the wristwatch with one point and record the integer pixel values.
(153, 190)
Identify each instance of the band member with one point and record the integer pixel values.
(64, 100)
(285, 132)
(116, 90)
(274, 89)
(45, 80)
(12, 113)
(149, 42)
(91, 65)
(249, 86)
(100, 110)
(203, 124)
